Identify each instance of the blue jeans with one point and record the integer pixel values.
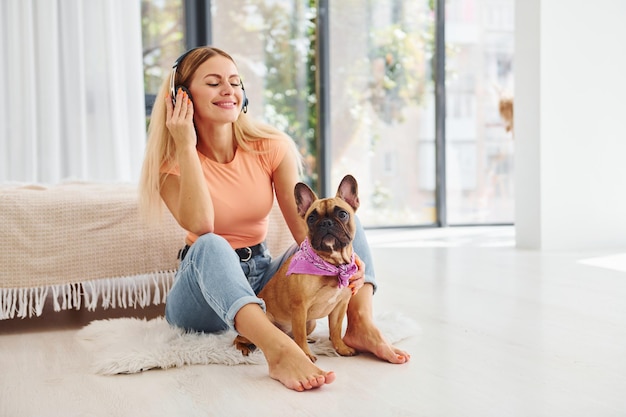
(212, 284)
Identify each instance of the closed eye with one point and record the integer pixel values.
(217, 84)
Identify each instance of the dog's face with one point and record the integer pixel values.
(330, 221)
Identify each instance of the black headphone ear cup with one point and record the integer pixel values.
(181, 87)
(244, 107)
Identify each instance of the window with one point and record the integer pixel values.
(381, 121)
(163, 41)
(382, 114)
(272, 42)
(479, 150)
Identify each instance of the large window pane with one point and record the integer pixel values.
(382, 107)
(271, 40)
(163, 41)
(382, 118)
(479, 151)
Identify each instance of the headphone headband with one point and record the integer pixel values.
(180, 58)
(173, 73)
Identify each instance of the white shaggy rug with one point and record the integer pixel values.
(130, 345)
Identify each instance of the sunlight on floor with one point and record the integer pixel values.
(615, 262)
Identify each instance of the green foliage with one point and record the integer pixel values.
(398, 62)
(162, 39)
(396, 68)
(288, 38)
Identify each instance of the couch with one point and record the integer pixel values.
(83, 245)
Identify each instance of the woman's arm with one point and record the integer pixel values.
(187, 196)
(285, 179)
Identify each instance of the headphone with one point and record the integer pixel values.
(174, 88)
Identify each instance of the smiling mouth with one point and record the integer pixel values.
(226, 104)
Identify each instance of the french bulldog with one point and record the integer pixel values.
(313, 282)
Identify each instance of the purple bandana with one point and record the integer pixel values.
(306, 261)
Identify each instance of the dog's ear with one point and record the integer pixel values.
(348, 191)
(304, 198)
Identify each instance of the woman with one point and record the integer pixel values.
(217, 172)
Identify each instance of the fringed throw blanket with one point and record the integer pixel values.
(81, 243)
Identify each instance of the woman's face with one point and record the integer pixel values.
(216, 91)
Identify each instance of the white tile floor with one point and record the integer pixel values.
(507, 332)
(504, 332)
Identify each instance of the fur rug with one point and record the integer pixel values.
(131, 345)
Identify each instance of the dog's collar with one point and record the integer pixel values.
(306, 261)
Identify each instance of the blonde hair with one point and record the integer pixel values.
(160, 148)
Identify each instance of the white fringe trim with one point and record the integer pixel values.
(124, 292)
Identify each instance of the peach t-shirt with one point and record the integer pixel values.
(242, 191)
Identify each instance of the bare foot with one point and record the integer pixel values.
(287, 362)
(365, 337)
(289, 365)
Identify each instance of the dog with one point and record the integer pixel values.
(505, 106)
(313, 282)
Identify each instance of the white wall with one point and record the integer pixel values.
(570, 107)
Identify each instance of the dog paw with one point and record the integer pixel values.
(346, 350)
(244, 345)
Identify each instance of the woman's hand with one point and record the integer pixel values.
(179, 120)
(358, 279)
(186, 195)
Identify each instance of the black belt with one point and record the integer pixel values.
(245, 254)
